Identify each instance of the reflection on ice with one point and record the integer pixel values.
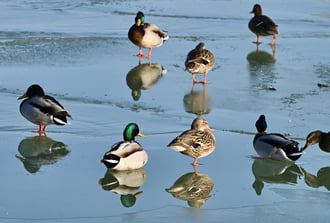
(195, 188)
(261, 66)
(143, 77)
(273, 171)
(40, 150)
(322, 178)
(125, 183)
(197, 102)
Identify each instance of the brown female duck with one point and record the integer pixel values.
(199, 61)
(262, 25)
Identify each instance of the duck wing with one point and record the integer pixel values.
(277, 140)
(50, 106)
(190, 139)
(265, 24)
(155, 29)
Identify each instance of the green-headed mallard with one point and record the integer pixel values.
(146, 35)
(196, 142)
(322, 138)
(41, 109)
(127, 154)
(262, 25)
(274, 145)
(199, 61)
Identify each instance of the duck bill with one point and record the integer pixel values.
(23, 96)
(136, 195)
(140, 134)
(211, 129)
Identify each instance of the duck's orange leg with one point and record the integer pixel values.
(42, 129)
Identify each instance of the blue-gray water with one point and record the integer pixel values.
(79, 52)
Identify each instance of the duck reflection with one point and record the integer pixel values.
(195, 188)
(125, 183)
(197, 101)
(273, 171)
(40, 150)
(143, 77)
(321, 179)
(262, 62)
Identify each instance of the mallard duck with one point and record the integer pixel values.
(146, 35)
(41, 109)
(196, 142)
(199, 61)
(274, 145)
(262, 25)
(127, 154)
(318, 137)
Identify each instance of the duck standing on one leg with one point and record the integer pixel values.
(274, 145)
(41, 109)
(199, 61)
(196, 142)
(127, 154)
(146, 35)
(262, 25)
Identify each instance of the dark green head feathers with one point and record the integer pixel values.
(139, 19)
(261, 124)
(131, 130)
(33, 90)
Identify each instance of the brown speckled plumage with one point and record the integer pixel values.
(199, 61)
(196, 142)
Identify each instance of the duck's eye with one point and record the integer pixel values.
(196, 145)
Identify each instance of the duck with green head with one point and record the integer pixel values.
(41, 109)
(146, 35)
(127, 154)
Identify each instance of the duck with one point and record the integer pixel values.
(146, 35)
(196, 142)
(274, 145)
(127, 154)
(262, 25)
(322, 138)
(199, 61)
(42, 109)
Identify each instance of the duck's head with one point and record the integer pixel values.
(257, 9)
(200, 124)
(129, 200)
(131, 130)
(261, 124)
(33, 90)
(139, 19)
(136, 94)
(200, 46)
(318, 137)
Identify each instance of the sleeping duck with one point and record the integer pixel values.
(262, 25)
(274, 145)
(196, 142)
(146, 35)
(41, 109)
(199, 61)
(127, 154)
